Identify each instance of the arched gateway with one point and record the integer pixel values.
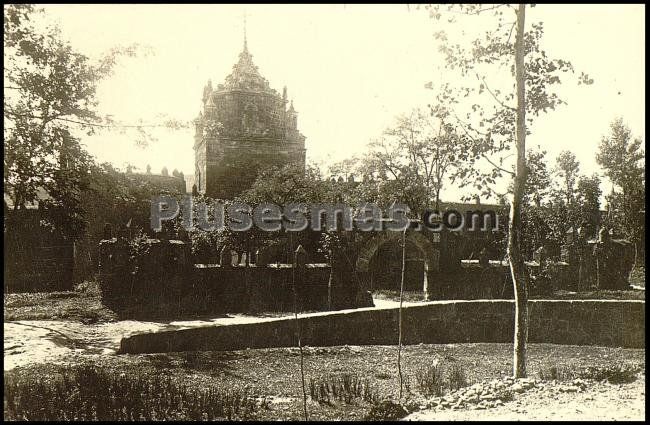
(423, 244)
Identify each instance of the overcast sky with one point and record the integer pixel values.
(349, 70)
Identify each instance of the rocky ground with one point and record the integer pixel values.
(532, 399)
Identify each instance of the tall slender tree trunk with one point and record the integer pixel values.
(514, 242)
(329, 282)
(299, 262)
(399, 319)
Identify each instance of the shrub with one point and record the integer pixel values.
(546, 279)
(614, 374)
(457, 378)
(88, 287)
(383, 375)
(386, 410)
(90, 393)
(430, 380)
(555, 373)
(407, 384)
(346, 388)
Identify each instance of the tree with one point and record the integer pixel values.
(567, 168)
(494, 127)
(69, 178)
(413, 158)
(50, 100)
(538, 178)
(290, 184)
(535, 226)
(45, 80)
(347, 167)
(588, 201)
(514, 251)
(622, 159)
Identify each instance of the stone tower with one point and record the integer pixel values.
(243, 128)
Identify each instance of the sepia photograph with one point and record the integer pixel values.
(324, 212)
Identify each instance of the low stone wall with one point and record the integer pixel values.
(579, 322)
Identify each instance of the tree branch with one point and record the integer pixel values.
(510, 32)
(86, 123)
(496, 6)
(492, 93)
(482, 154)
(496, 166)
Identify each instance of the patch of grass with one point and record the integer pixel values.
(83, 304)
(430, 380)
(89, 287)
(344, 388)
(560, 294)
(91, 393)
(434, 380)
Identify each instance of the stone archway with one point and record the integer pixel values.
(430, 253)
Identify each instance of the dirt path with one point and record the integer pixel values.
(600, 401)
(38, 341)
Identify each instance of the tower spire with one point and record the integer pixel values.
(245, 41)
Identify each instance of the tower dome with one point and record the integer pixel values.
(253, 130)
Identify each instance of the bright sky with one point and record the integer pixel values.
(349, 69)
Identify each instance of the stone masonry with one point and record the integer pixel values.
(244, 127)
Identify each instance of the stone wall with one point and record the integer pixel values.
(36, 259)
(262, 288)
(159, 278)
(585, 322)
